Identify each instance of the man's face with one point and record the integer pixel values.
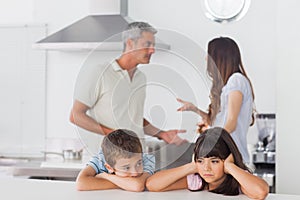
(129, 167)
(143, 48)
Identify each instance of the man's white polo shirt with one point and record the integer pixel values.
(114, 99)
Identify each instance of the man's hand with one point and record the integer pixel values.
(171, 136)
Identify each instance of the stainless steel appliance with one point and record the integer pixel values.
(264, 156)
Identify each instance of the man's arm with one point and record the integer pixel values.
(80, 118)
(87, 180)
(169, 136)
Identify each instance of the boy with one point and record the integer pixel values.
(120, 164)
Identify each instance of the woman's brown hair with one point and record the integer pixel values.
(217, 142)
(224, 59)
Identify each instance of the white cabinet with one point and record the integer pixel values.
(22, 90)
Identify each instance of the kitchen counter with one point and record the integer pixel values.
(48, 170)
(15, 189)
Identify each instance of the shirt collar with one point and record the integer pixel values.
(116, 66)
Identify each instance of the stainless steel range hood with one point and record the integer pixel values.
(93, 32)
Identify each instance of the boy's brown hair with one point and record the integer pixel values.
(120, 143)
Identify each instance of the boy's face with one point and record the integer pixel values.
(129, 167)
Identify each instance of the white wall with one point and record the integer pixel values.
(288, 97)
(16, 12)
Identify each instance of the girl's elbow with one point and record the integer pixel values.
(152, 187)
(264, 192)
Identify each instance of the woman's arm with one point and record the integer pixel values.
(171, 179)
(235, 100)
(87, 180)
(252, 186)
(134, 184)
(188, 106)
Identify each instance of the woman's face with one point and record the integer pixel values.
(211, 170)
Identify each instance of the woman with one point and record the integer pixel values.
(217, 166)
(231, 93)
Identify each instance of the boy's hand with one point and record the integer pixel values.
(104, 175)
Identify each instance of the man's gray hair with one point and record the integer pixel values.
(134, 31)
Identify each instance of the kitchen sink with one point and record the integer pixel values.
(36, 168)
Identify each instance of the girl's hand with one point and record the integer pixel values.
(193, 167)
(228, 161)
(187, 106)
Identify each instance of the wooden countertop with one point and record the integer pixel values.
(16, 189)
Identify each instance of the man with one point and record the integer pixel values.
(112, 96)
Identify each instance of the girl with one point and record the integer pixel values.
(217, 166)
(231, 93)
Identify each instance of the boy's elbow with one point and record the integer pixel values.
(139, 188)
(80, 186)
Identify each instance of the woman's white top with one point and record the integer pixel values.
(237, 82)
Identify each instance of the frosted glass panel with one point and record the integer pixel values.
(22, 86)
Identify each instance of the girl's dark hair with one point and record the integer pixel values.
(217, 142)
(224, 59)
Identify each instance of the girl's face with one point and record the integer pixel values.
(211, 170)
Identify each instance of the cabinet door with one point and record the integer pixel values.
(22, 88)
